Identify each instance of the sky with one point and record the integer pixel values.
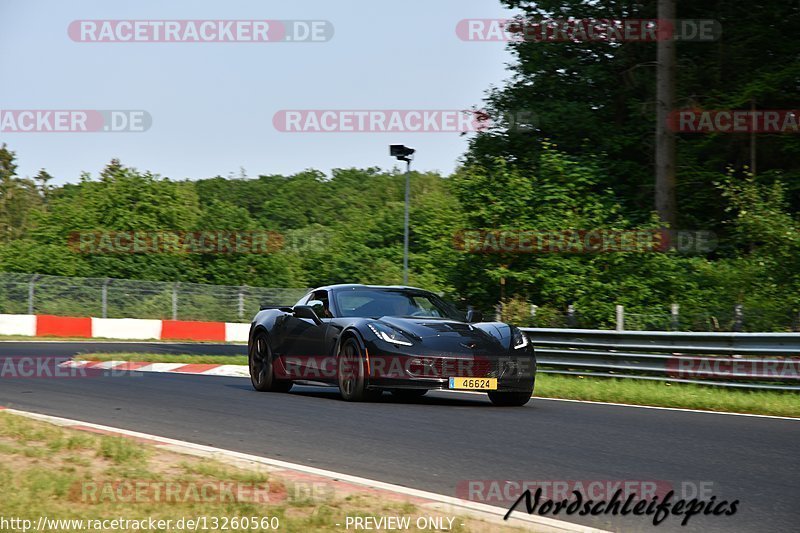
(212, 104)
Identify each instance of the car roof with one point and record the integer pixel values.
(356, 286)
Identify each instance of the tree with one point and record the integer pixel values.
(19, 198)
(42, 180)
(600, 98)
(665, 202)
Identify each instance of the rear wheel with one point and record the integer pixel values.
(352, 373)
(510, 399)
(408, 394)
(259, 360)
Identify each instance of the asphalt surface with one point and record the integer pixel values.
(68, 349)
(444, 438)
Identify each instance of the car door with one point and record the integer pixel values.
(305, 355)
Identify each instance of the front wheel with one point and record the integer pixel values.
(352, 373)
(262, 375)
(510, 399)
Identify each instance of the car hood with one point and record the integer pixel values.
(426, 328)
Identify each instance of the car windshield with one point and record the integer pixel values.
(375, 303)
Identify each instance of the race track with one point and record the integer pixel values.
(442, 439)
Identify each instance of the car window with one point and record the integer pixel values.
(304, 299)
(393, 302)
(323, 297)
(350, 302)
(425, 307)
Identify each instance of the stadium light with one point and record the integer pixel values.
(404, 153)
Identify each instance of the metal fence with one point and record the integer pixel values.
(745, 360)
(672, 317)
(122, 298)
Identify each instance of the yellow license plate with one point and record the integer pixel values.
(473, 383)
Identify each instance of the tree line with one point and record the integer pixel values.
(348, 227)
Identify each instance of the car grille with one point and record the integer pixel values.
(447, 367)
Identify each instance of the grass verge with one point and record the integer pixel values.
(64, 474)
(664, 394)
(627, 391)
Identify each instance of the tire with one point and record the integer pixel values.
(510, 399)
(351, 373)
(408, 394)
(259, 359)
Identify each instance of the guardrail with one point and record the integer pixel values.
(744, 360)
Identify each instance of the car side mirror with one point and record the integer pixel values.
(474, 316)
(306, 311)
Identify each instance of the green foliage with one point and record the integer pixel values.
(599, 98)
(20, 198)
(349, 228)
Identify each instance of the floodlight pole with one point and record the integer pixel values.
(405, 234)
(404, 153)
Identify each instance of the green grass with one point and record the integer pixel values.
(628, 391)
(66, 483)
(663, 394)
(165, 358)
(121, 451)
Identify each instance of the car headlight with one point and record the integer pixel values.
(519, 339)
(389, 334)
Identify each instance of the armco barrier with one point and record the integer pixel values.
(236, 331)
(201, 331)
(18, 325)
(63, 326)
(745, 360)
(121, 328)
(126, 328)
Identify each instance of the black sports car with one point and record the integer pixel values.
(367, 339)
